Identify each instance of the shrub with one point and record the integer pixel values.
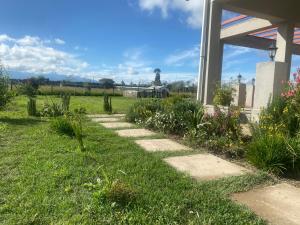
(223, 95)
(279, 117)
(176, 118)
(62, 126)
(143, 109)
(29, 88)
(220, 132)
(31, 107)
(275, 153)
(107, 106)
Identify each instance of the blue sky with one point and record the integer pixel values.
(120, 39)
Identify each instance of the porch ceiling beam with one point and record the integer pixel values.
(256, 43)
(244, 28)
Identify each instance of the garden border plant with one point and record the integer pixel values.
(220, 132)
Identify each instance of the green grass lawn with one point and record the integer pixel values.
(43, 176)
(91, 103)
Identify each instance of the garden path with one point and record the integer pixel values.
(135, 133)
(278, 204)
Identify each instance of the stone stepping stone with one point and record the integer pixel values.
(109, 119)
(114, 125)
(205, 166)
(155, 145)
(279, 204)
(135, 133)
(105, 115)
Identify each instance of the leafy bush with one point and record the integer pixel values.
(275, 153)
(223, 95)
(279, 117)
(220, 132)
(143, 110)
(62, 126)
(31, 107)
(175, 118)
(29, 88)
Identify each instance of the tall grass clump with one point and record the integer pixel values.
(275, 153)
(62, 126)
(31, 107)
(107, 104)
(71, 124)
(65, 101)
(76, 122)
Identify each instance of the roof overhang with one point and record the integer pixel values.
(274, 10)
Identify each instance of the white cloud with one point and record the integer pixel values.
(184, 57)
(59, 41)
(30, 54)
(29, 40)
(5, 38)
(192, 8)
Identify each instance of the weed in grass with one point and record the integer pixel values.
(114, 192)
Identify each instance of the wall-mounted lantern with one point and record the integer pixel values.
(239, 77)
(272, 51)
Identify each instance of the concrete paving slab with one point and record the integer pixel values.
(114, 125)
(135, 133)
(278, 204)
(108, 119)
(205, 166)
(155, 145)
(105, 115)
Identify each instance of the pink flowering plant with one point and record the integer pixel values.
(276, 143)
(283, 114)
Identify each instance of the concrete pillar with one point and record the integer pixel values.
(268, 82)
(214, 53)
(285, 36)
(250, 90)
(239, 98)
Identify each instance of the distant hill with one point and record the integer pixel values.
(52, 77)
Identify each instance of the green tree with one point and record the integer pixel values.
(5, 94)
(107, 83)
